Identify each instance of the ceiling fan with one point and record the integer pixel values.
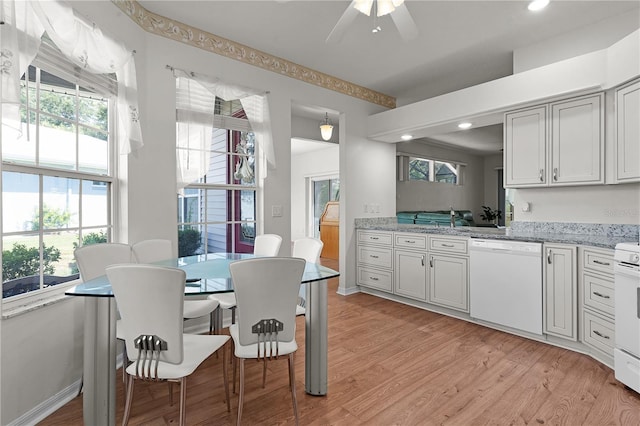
(394, 8)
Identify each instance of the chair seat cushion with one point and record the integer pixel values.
(226, 300)
(251, 351)
(198, 308)
(197, 348)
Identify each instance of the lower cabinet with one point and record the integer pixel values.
(411, 274)
(448, 281)
(560, 291)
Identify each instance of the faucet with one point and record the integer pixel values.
(453, 218)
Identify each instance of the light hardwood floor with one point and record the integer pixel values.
(391, 364)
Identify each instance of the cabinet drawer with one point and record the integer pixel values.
(410, 241)
(448, 244)
(381, 280)
(375, 237)
(598, 332)
(598, 261)
(381, 257)
(598, 293)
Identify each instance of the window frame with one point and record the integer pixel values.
(50, 60)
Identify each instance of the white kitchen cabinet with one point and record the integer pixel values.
(560, 291)
(449, 281)
(627, 146)
(577, 141)
(410, 277)
(556, 144)
(375, 260)
(597, 297)
(525, 149)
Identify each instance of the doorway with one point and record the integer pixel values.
(323, 191)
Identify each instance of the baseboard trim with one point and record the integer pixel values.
(48, 407)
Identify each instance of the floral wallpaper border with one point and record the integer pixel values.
(166, 27)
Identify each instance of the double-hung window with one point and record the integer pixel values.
(57, 176)
(217, 211)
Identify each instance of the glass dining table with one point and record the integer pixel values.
(206, 274)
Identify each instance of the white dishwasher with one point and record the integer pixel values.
(506, 283)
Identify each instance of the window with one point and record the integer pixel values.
(433, 170)
(56, 177)
(217, 213)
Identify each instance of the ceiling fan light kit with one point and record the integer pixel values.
(383, 7)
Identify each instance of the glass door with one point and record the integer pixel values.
(323, 191)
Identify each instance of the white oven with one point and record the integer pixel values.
(627, 309)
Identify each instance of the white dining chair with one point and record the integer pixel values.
(92, 261)
(263, 245)
(156, 250)
(151, 303)
(308, 249)
(266, 327)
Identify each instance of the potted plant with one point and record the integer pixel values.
(490, 215)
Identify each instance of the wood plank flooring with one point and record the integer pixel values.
(391, 364)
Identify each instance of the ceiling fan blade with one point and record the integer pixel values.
(343, 23)
(404, 22)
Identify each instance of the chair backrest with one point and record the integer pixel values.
(267, 245)
(266, 288)
(93, 259)
(149, 251)
(150, 300)
(308, 249)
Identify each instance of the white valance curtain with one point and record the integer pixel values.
(81, 42)
(196, 106)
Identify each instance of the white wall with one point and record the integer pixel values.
(149, 204)
(615, 204)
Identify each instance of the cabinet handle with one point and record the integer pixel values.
(604, 296)
(410, 241)
(431, 262)
(373, 256)
(447, 245)
(549, 256)
(374, 238)
(541, 175)
(597, 333)
(555, 174)
(374, 279)
(601, 263)
(422, 260)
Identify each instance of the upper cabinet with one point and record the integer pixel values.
(627, 146)
(561, 143)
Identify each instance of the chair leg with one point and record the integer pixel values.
(129, 398)
(183, 401)
(233, 315)
(264, 371)
(211, 321)
(241, 397)
(292, 380)
(170, 384)
(234, 361)
(225, 376)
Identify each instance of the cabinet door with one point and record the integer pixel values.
(449, 282)
(628, 133)
(525, 145)
(577, 141)
(411, 274)
(560, 295)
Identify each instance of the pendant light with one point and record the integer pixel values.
(326, 128)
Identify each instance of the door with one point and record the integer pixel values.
(324, 190)
(561, 291)
(525, 134)
(448, 282)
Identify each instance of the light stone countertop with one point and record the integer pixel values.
(582, 234)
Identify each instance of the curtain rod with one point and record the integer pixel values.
(193, 74)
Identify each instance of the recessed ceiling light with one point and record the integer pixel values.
(464, 125)
(406, 137)
(538, 5)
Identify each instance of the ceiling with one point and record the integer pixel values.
(459, 44)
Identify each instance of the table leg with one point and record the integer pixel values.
(316, 338)
(99, 387)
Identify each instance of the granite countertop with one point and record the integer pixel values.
(549, 235)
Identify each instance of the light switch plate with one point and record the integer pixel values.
(276, 211)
